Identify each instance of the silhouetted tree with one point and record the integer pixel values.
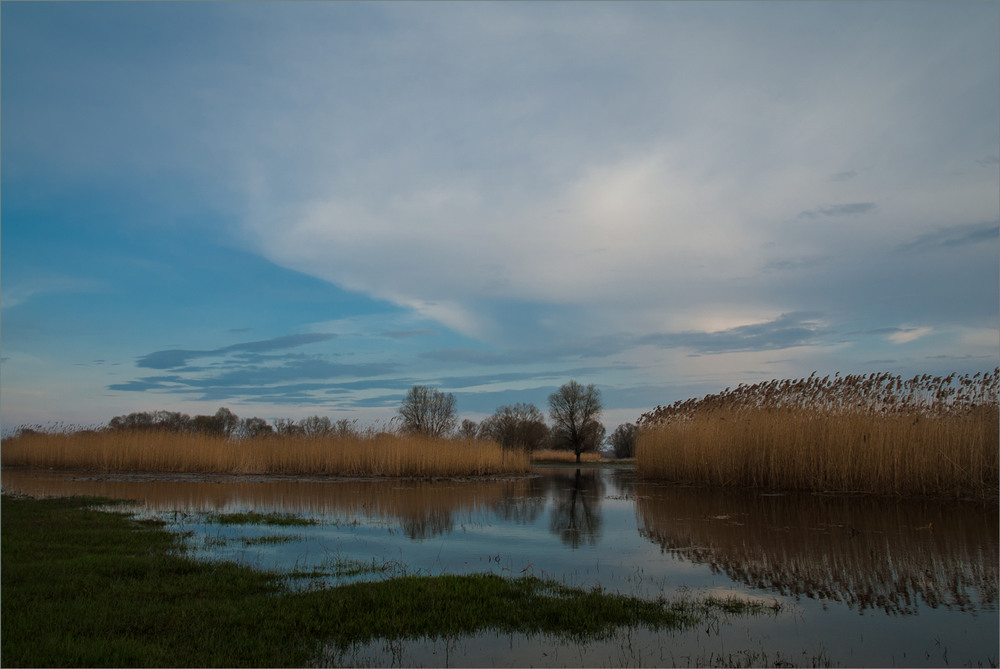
(168, 421)
(347, 428)
(469, 429)
(575, 410)
(316, 426)
(287, 427)
(428, 411)
(519, 426)
(623, 440)
(254, 428)
(222, 424)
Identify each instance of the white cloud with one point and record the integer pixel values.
(907, 334)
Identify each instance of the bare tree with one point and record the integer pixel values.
(469, 429)
(254, 428)
(428, 411)
(575, 410)
(520, 426)
(316, 426)
(623, 440)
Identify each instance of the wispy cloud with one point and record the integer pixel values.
(21, 292)
(849, 209)
(904, 335)
(173, 358)
(406, 334)
(786, 331)
(954, 236)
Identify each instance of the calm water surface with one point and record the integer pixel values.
(865, 581)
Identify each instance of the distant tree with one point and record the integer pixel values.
(254, 428)
(575, 410)
(428, 411)
(469, 429)
(169, 421)
(287, 427)
(228, 420)
(137, 420)
(203, 424)
(223, 423)
(347, 428)
(518, 426)
(316, 426)
(623, 440)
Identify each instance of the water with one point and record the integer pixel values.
(865, 581)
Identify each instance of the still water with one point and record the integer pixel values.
(864, 581)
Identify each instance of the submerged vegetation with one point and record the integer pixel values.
(98, 588)
(874, 433)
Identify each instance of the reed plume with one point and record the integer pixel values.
(375, 454)
(929, 435)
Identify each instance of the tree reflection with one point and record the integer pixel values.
(576, 516)
(522, 502)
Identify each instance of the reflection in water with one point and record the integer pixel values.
(601, 527)
(576, 511)
(870, 553)
(423, 508)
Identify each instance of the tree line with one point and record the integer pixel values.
(575, 410)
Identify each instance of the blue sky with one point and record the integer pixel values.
(293, 209)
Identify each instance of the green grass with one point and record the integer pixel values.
(82, 587)
(253, 518)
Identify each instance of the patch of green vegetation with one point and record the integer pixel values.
(347, 567)
(89, 588)
(253, 518)
(270, 539)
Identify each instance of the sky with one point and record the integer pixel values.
(294, 209)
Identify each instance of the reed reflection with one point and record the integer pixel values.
(870, 553)
(423, 509)
(576, 514)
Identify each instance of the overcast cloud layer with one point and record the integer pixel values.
(307, 208)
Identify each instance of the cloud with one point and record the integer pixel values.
(314, 377)
(786, 331)
(904, 335)
(406, 334)
(954, 236)
(173, 358)
(20, 293)
(844, 176)
(849, 209)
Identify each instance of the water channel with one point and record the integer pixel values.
(865, 581)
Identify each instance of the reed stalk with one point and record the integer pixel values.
(859, 433)
(379, 454)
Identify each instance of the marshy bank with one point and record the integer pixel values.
(874, 433)
(83, 587)
(861, 580)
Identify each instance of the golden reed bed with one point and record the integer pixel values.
(860, 433)
(569, 457)
(382, 454)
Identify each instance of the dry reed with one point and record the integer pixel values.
(859, 433)
(552, 455)
(379, 454)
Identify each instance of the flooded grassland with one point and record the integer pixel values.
(862, 580)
